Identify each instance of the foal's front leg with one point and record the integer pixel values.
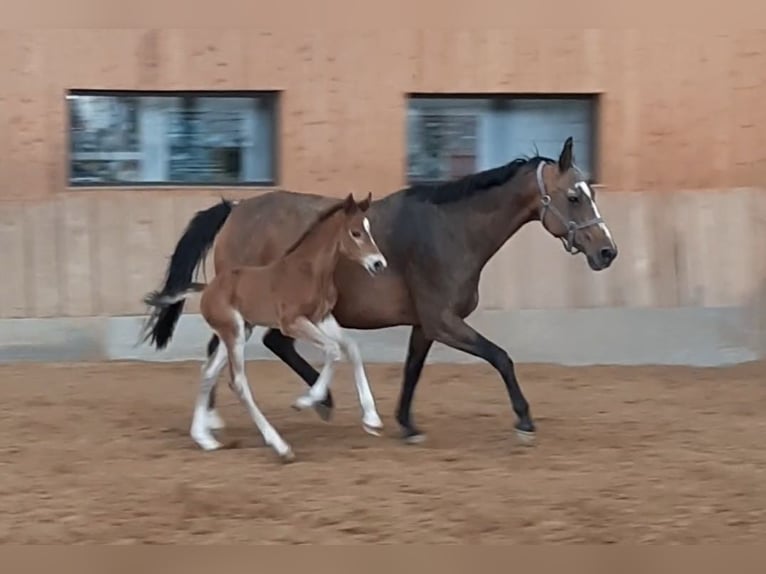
(371, 421)
(304, 329)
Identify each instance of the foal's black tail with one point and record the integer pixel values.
(189, 254)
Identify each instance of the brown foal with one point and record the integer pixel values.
(295, 294)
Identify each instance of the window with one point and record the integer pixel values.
(449, 137)
(171, 138)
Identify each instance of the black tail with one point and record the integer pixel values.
(189, 254)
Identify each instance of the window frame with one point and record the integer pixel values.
(494, 98)
(273, 97)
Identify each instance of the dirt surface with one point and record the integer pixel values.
(101, 453)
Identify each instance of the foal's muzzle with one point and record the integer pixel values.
(374, 264)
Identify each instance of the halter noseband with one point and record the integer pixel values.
(571, 226)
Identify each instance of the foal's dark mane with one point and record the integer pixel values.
(323, 215)
(473, 184)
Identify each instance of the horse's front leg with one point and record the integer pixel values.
(453, 331)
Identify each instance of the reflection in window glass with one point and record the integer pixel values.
(171, 139)
(448, 138)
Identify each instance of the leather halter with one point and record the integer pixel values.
(571, 226)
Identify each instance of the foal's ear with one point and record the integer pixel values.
(364, 205)
(349, 204)
(566, 159)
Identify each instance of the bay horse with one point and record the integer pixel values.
(437, 239)
(295, 294)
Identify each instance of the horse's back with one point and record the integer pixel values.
(261, 228)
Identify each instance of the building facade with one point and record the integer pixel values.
(112, 139)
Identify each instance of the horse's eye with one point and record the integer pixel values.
(356, 234)
(573, 198)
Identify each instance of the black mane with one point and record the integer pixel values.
(470, 185)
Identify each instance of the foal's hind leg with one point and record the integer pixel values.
(214, 420)
(235, 343)
(200, 428)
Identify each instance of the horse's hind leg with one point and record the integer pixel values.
(235, 343)
(200, 428)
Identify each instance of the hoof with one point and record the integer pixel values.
(324, 412)
(526, 437)
(208, 445)
(303, 402)
(412, 436)
(373, 430)
(287, 457)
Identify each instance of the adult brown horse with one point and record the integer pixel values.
(436, 238)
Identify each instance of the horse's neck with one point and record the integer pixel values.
(489, 219)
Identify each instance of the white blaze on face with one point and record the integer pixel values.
(587, 192)
(371, 260)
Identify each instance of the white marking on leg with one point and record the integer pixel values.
(242, 388)
(214, 419)
(370, 417)
(200, 428)
(212, 370)
(304, 330)
(318, 392)
(332, 353)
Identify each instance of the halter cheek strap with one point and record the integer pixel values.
(571, 226)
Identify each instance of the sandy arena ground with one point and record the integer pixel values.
(100, 453)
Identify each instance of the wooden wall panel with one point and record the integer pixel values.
(680, 111)
(23, 84)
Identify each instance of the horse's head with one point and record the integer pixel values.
(356, 241)
(569, 212)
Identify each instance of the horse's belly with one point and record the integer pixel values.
(366, 302)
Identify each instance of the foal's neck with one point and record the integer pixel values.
(320, 248)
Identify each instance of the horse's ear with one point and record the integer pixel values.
(566, 159)
(349, 205)
(364, 205)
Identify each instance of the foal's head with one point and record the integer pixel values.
(569, 210)
(356, 241)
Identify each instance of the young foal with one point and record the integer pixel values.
(295, 294)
